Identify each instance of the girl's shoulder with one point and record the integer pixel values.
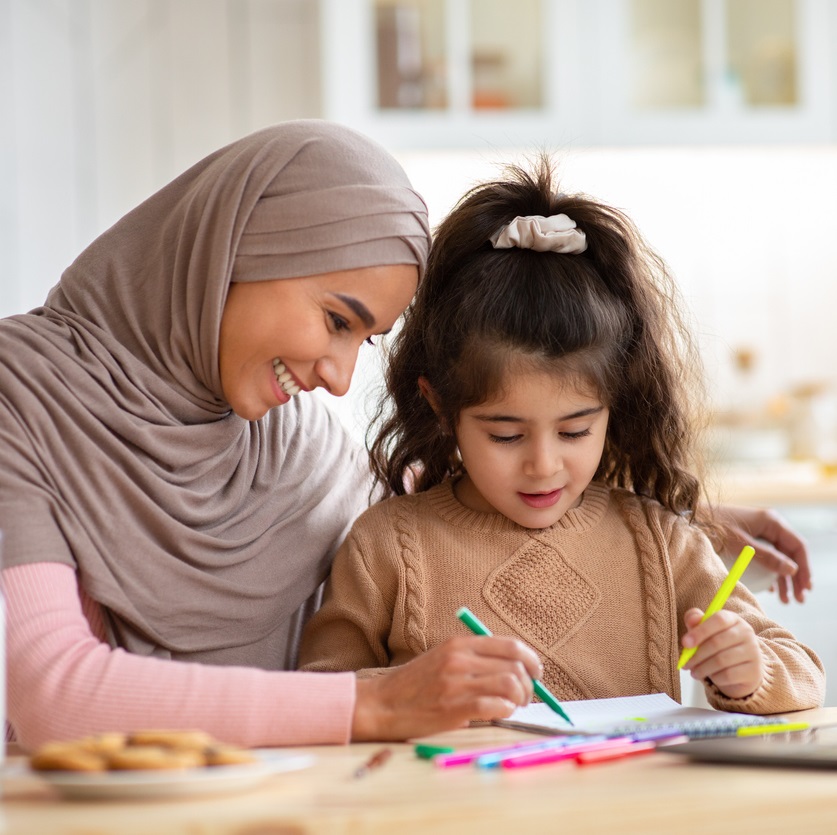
(409, 505)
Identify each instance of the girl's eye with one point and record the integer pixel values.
(504, 439)
(571, 436)
(340, 324)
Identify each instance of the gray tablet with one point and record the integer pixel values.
(784, 751)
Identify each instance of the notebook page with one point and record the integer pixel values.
(631, 713)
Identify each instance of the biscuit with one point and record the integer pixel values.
(227, 755)
(143, 750)
(178, 740)
(67, 756)
(103, 743)
(153, 758)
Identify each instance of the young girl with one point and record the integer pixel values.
(540, 394)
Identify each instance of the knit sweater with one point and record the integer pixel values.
(600, 596)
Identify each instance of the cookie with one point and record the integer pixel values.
(153, 758)
(177, 740)
(67, 756)
(103, 743)
(227, 755)
(143, 750)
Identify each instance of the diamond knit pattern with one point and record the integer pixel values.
(523, 591)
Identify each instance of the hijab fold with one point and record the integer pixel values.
(201, 534)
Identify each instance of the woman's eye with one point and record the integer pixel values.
(504, 439)
(340, 324)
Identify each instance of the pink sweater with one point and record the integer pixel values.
(65, 681)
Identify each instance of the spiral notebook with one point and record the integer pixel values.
(631, 714)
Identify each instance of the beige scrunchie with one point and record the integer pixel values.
(557, 233)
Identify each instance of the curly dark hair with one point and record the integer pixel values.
(608, 316)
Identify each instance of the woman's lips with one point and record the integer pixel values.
(539, 500)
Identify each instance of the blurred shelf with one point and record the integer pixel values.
(773, 483)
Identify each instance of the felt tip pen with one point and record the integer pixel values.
(446, 760)
(479, 628)
(721, 597)
(568, 752)
(779, 728)
(630, 749)
(496, 759)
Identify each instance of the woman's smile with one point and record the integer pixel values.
(285, 380)
(283, 336)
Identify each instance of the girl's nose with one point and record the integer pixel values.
(544, 460)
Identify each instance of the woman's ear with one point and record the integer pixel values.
(429, 394)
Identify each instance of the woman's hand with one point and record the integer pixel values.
(727, 652)
(778, 548)
(463, 679)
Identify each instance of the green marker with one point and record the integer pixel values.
(427, 752)
(479, 628)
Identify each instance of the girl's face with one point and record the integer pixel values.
(294, 334)
(530, 452)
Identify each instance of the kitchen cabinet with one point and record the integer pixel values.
(488, 73)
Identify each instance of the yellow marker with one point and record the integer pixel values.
(755, 730)
(720, 598)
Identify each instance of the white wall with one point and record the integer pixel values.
(103, 102)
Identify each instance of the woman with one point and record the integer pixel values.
(169, 502)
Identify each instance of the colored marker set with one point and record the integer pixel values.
(583, 749)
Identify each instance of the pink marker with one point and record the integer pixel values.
(568, 752)
(465, 757)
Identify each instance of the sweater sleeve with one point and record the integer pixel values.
(350, 630)
(64, 682)
(794, 677)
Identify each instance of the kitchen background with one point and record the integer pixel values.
(713, 123)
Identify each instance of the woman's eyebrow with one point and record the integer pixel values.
(359, 308)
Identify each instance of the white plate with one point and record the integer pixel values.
(174, 783)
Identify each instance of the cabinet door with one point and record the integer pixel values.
(713, 71)
(556, 73)
(451, 72)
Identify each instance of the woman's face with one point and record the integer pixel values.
(294, 334)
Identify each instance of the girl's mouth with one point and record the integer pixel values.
(540, 500)
(285, 379)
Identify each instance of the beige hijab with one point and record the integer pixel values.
(201, 534)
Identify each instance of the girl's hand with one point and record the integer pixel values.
(778, 548)
(463, 679)
(728, 652)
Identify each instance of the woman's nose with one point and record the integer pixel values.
(336, 371)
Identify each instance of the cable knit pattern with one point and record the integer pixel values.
(522, 592)
(600, 596)
(415, 617)
(659, 608)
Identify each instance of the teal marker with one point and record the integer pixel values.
(479, 628)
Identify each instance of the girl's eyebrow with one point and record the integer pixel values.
(359, 309)
(489, 418)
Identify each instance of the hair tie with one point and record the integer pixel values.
(556, 233)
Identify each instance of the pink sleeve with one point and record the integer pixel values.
(64, 682)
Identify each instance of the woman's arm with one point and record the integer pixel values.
(64, 682)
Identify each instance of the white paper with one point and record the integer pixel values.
(629, 714)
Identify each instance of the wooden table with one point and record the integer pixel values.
(657, 793)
